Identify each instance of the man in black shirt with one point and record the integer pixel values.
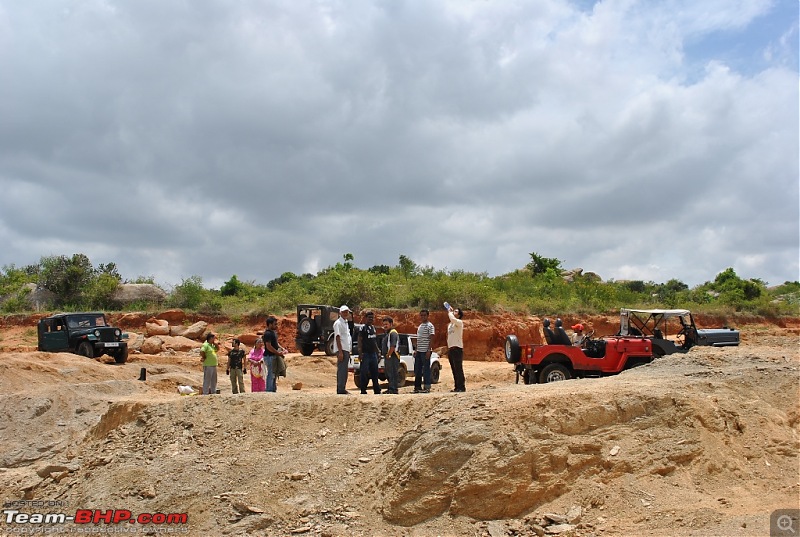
(234, 368)
(368, 349)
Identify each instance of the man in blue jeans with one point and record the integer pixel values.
(422, 354)
(271, 351)
(368, 349)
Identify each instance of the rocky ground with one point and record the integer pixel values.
(699, 444)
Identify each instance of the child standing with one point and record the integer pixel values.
(258, 372)
(235, 366)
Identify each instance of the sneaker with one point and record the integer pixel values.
(417, 390)
(343, 393)
(425, 390)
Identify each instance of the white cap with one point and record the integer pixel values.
(344, 308)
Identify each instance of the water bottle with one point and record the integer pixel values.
(447, 306)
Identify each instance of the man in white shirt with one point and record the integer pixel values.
(455, 347)
(342, 344)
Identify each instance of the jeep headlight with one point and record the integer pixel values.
(97, 333)
(118, 333)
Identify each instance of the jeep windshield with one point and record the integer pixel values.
(86, 321)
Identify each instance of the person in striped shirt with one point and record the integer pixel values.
(422, 354)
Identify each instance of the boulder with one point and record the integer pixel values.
(152, 345)
(130, 320)
(178, 330)
(128, 293)
(39, 297)
(178, 343)
(196, 331)
(135, 341)
(156, 327)
(592, 276)
(571, 274)
(248, 339)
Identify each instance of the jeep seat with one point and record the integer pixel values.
(549, 336)
(561, 337)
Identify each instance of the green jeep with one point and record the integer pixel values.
(87, 334)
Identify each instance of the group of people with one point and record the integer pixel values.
(367, 340)
(261, 361)
(262, 358)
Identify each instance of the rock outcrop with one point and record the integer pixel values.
(130, 293)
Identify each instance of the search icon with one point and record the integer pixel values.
(785, 523)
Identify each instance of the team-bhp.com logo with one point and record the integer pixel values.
(95, 517)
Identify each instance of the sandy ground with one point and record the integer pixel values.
(699, 444)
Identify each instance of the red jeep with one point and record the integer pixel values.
(595, 358)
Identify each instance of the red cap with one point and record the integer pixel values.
(578, 326)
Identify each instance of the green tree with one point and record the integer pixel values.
(540, 265)
(189, 293)
(283, 278)
(66, 277)
(109, 269)
(407, 266)
(676, 286)
(380, 269)
(232, 287)
(98, 292)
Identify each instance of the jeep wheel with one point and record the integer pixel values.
(329, 347)
(402, 374)
(436, 368)
(86, 349)
(305, 326)
(357, 379)
(512, 350)
(121, 355)
(306, 348)
(554, 373)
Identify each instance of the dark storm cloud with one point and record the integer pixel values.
(254, 138)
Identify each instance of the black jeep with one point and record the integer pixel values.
(315, 328)
(87, 334)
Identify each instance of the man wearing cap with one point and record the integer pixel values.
(578, 337)
(342, 344)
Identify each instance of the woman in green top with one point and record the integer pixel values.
(208, 353)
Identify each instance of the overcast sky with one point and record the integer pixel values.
(637, 139)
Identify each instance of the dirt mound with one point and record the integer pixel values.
(702, 443)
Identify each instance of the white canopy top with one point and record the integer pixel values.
(665, 313)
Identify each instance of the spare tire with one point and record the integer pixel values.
(305, 325)
(512, 350)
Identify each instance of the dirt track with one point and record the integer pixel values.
(698, 444)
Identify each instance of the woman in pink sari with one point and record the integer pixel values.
(258, 370)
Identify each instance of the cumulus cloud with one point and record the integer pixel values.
(256, 138)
